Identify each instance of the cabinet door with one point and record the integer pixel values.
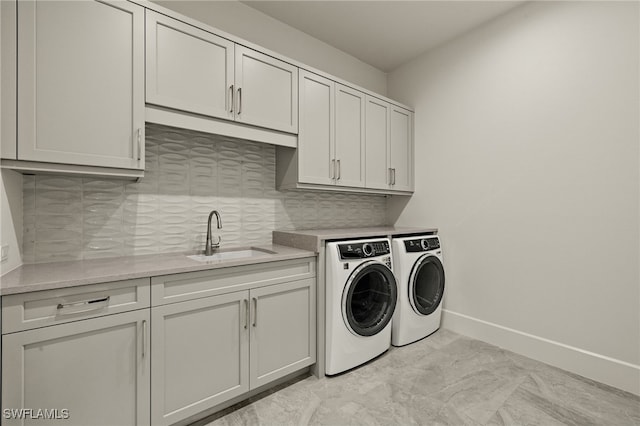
(378, 172)
(97, 369)
(401, 148)
(8, 83)
(283, 330)
(200, 355)
(81, 85)
(350, 154)
(266, 91)
(187, 68)
(316, 137)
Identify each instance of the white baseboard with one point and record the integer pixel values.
(613, 372)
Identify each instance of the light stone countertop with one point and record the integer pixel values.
(48, 276)
(313, 239)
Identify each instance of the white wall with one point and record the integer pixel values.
(527, 159)
(254, 26)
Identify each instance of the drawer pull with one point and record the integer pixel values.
(92, 305)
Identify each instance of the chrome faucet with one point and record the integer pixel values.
(209, 245)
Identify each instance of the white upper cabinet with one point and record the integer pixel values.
(188, 68)
(350, 154)
(348, 141)
(401, 148)
(8, 83)
(193, 70)
(316, 148)
(81, 83)
(389, 146)
(378, 173)
(331, 137)
(266, 91)
(92, 72)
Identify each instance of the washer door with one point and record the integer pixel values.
(369, 299)
(426, 284)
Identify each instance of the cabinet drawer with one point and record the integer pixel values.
(50, 307)
(194, 285)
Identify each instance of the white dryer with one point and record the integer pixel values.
(361, 294)
(418, 267)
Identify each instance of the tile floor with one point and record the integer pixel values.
(445, 379)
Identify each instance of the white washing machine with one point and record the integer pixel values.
(361, 294)
(417, 263)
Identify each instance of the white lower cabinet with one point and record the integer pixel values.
(207, 351)
(104, 354)
(283, 330)
(89, 372)
(200, 355)
(257, 327)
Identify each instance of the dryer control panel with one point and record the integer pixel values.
(364, 249)
(422, 244)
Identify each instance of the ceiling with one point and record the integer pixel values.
(384, 34)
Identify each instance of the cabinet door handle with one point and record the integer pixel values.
(394, 176)
(239, 100)
(246, 313)
(139, 137)
(255, 311)
(231, 98)
(339, 171)
(144, 338)
(92, 305)
(389, 180)
(332, 169)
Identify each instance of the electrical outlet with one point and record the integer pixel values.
(4, 255)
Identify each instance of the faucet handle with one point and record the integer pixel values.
(217, 243)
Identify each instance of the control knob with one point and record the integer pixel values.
(424, 244)
(367, 249)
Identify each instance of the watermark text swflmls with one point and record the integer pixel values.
(36, 413)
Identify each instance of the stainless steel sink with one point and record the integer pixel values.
(232, 255)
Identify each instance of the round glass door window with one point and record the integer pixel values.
(369, 299)
(426, 285)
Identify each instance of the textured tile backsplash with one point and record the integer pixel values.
(187, 175)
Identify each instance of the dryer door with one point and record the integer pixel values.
(426, 284)
(369, 299)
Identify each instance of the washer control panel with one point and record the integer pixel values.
(364, 249)
(422, 244)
